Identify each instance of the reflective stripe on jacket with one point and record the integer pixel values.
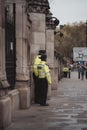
(37, 60)
(65, 69)
(44, 72)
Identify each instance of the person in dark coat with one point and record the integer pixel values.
(82, 69)
(44, 78)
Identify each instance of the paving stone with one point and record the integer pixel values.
(67, 109)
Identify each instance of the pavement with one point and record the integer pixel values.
(67, 109)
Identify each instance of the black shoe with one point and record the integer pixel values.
(44, 104)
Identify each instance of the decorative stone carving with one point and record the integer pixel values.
(4, 84)
(3, 88)
(38, 6)
(50, 22)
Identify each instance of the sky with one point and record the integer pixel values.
(69, 11)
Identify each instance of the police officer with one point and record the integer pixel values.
(86, 71)
(35, 75)
(65, 71)
(44, 79)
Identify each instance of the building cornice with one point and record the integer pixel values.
(38, 6)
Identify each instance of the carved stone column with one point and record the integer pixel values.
(5, 102)
(22, 70)
(3, 80)
(37, 10)
(50, 27)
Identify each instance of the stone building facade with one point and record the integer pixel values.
(26, 26)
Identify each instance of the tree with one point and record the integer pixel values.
(73, 36)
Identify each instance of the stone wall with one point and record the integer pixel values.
(31, 36)
(38, 33)
(5, 101)
(37, 37)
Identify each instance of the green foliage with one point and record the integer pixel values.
(73, 36)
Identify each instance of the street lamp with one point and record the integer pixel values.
(54, 19)
(51, 22)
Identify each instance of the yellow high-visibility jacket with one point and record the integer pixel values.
(86, 68)
(37, 60)
(44, 71)
(65, 69)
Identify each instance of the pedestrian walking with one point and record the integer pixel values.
(69, 72)
(44, 79)
(35, 75)
(86, 71)
(82, 72)
(79, 71)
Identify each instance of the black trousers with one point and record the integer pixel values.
(65, 74)
(69, 74)
(79, 74)
(36, 89)
(82, 75)
(43, 85)
(86, 74)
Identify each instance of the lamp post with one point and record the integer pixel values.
(86, 32)
(54, 19)
(52, 22)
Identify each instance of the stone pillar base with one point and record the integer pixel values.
(14, 95)
(5, 112)
(49, 92)
(24, 98)
(55, 84)
(22, 85)
(54, 79)
(24, 94)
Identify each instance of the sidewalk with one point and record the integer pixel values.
(67, 109)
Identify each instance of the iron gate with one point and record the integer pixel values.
(10, 43)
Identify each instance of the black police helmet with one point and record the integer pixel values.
(44, 57)
(41, 52)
